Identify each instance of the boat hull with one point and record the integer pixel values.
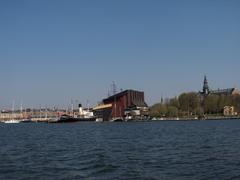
(73, 119)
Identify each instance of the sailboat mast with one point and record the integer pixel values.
(21, 110)
(13, 104)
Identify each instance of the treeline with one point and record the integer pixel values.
(192, 104)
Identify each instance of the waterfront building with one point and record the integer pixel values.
(229, 111)
(121, 105)
(103, 112)
(207, 91)
(10, 115)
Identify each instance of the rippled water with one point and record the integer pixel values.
(134, 150)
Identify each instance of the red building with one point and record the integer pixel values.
(125, 100)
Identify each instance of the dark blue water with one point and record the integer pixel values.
(146, 150)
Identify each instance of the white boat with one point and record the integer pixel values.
(99, 119)
(117, 119)
(12, 121)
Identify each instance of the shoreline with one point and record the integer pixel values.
(197, 119)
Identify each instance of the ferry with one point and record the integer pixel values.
(69, 119)
(84, 115)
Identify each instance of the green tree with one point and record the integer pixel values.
(211, 104)
(189, 103)
(236, 102)
(158, 110)
(224, 100)
(174, 102)
(172, 111)
(184, 102)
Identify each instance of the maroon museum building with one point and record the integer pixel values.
(126, 104)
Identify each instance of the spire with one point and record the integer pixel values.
(205, 86)
(161, 100)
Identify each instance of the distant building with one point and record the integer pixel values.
(11, 115)
(229, 111)
(103, 112)
(126, 104)
(206, 91)
(205, 86)
(228, 92)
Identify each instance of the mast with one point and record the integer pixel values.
(114, 91)
(13, 104)
(21, 107)
(72, 107)
(46, 112)
(40, 112)
(21, 110)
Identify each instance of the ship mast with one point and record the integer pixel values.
(114, 91)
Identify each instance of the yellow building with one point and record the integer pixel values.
(229, 111)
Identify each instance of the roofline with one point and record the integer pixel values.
(118, 94)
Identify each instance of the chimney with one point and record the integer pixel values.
(80, 109)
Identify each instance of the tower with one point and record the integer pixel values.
(205, 86)
(161, 100)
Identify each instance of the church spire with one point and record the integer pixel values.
(205, 86)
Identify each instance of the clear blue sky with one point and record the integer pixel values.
(52, 51)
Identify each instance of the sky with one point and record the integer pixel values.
(55, 51)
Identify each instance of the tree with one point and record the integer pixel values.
(224, 100)
(172, 111)
(236, 102)
(174, 102)
(189, 102)
(184, 102)
(210, 104)
(158, 110)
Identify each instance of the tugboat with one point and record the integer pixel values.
(84, 115)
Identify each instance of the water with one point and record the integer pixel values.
(134, 150)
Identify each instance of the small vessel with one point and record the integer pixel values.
(12, 121)
(83, 115)
(99, 119)
(63, 119)
(26, 120)
(117, 119)
(69, 119)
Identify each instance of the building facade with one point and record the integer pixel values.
(228, 92)
(229, 111)
(121, 105)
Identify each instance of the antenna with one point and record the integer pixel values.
(114, 88)
(72, 107)
(88, 104)
(76, 102)
(21, 107)
(13, 104)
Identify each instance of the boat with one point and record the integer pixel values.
(117, 119)
(99, 119)
(86, 118)
(26, 120)
(69, 119)
(63, 119)
(83, 115)
(12, 121)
